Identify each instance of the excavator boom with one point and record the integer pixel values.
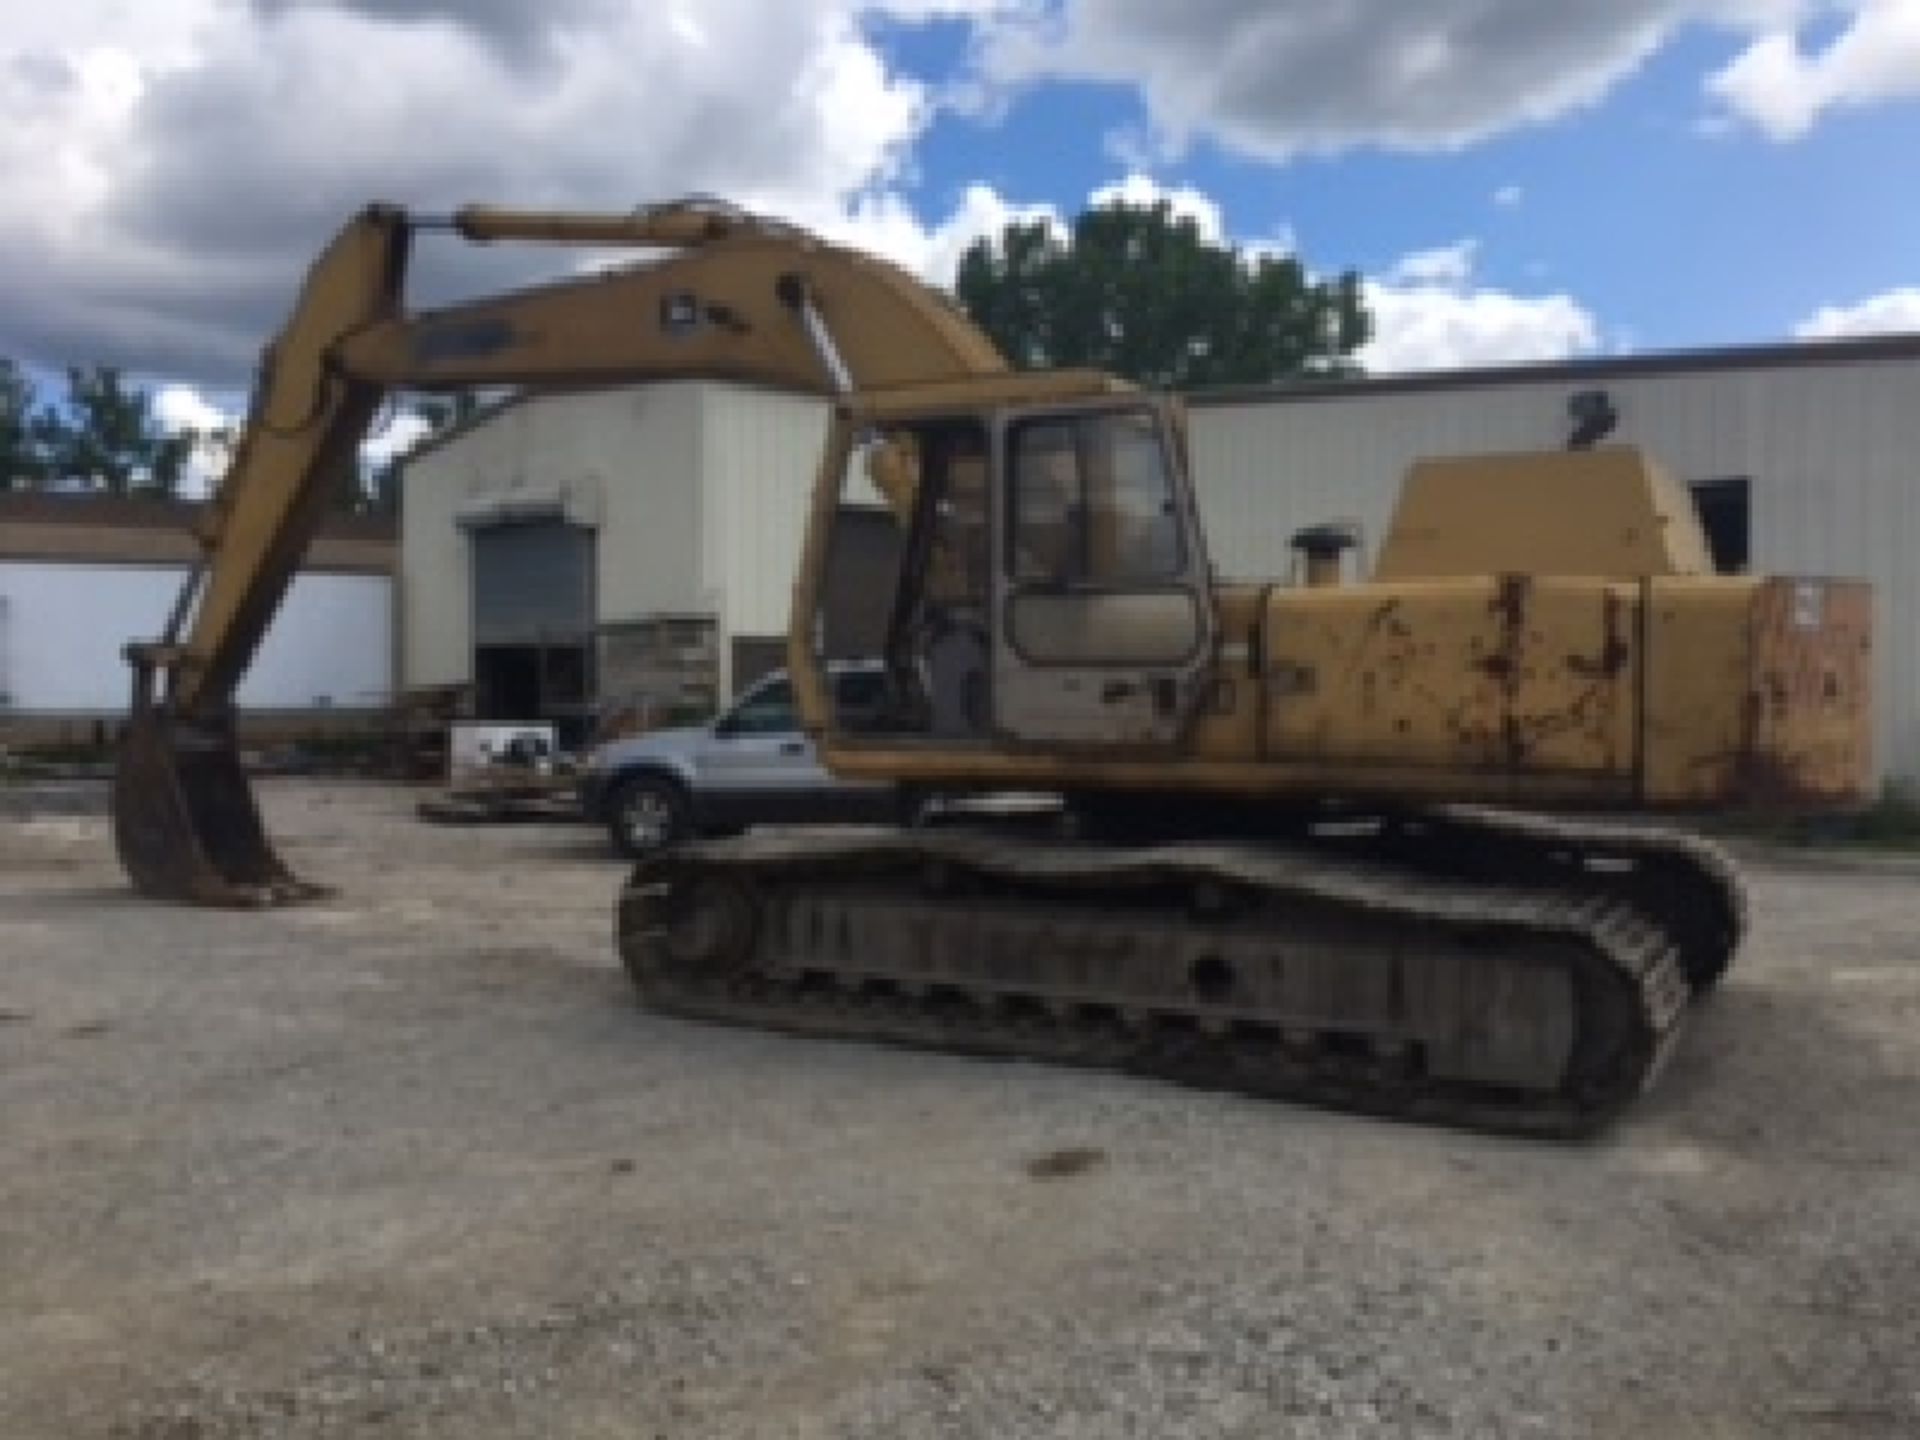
(718, 294)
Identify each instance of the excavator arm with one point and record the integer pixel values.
(718, 294)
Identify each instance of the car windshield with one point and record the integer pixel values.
(767, 710)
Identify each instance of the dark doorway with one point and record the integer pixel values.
(1726, 514)
(506, 682)
(536, 682)
(533, 610)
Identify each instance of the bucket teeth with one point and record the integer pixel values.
(185, 823)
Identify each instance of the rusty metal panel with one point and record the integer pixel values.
(1759, 692)
(1227, 725)
(1696, 685)
(1808, 727)
(1509, 674)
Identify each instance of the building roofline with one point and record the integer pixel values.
(1795, 354)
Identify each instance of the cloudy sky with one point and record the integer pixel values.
(1519, 179)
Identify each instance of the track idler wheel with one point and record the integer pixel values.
(686, 933)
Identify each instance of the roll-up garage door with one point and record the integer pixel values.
(532, 581)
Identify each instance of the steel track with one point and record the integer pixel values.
(1540, 1005)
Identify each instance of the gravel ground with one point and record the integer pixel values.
(410, 1163)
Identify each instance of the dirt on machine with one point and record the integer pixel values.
(1348, 835)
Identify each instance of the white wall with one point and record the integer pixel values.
(698, 491)
(331, 642)
(648, 443)
(435, 576)
(1832, 450)
(759, 455)
(626, 462)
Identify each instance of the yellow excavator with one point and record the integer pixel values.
(1335, 838)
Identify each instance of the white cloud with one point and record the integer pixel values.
(1893, 312)
(1280, 78)
(1184, 201)
(1783, 89)
(886, 225)
(1508, 197)
(1429, 314)
(403, 428)
(184, 407)
(173, 164)
(1448, 266)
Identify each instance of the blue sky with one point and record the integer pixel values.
(1673, 227)
(1517, 179)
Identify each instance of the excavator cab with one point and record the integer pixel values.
(1054, 589)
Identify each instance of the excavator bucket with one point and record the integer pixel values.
(184, 818)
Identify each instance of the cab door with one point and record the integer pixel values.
(1103, 626)
(755, 763)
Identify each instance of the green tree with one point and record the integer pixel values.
(107, 436)
(22, 461)
(1137, 291)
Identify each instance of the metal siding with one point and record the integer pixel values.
(532, 582)
(760, 451)
(641, 446)
(330, 644)
(1830, 449)
(436, 634)
(624, 461)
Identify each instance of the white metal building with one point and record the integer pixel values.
(1805, 459)
(571, 554)
(81, 576)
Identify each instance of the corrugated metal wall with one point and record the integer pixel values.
(698, 494)
(625, 463)
(532, 582)
(1832, 451)
(330, 644)
(759, 452)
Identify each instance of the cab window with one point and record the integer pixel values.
(1093, 502)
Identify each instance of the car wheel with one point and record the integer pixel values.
(647, 814)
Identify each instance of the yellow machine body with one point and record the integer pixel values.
(1613, 671)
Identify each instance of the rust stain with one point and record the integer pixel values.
(1802, 732)
(1386, 616)
(1502, 666)
(1614, 650)
(1505, 729)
